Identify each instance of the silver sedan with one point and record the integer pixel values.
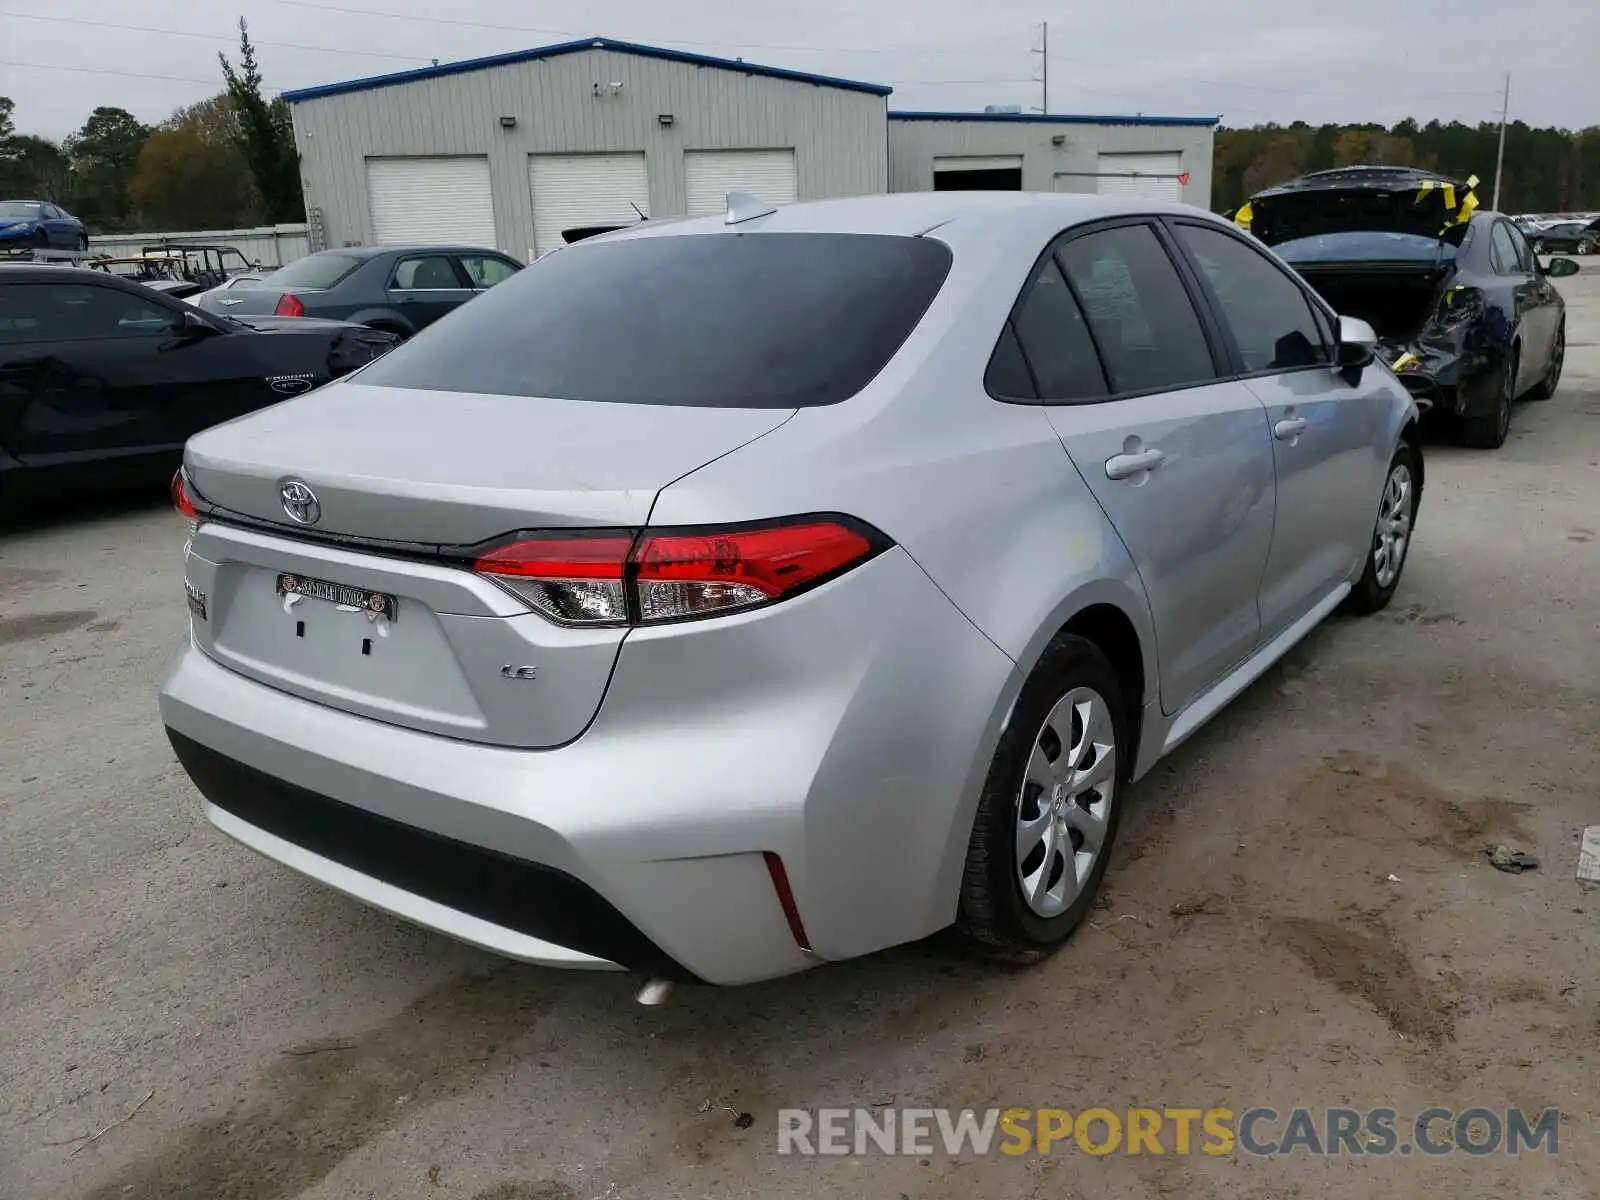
(720, 597)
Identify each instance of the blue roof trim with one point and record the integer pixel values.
(594, 43)
(1052, 118)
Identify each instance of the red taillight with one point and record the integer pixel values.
(692, 574)
(575, 580)
(672, 575)
(181, 501)
(289, 306)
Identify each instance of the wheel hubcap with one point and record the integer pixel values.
(1393, 535)
(1064, 806)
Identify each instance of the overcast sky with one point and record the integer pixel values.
(1245, 60)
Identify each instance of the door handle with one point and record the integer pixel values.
(1289, 427)
(1121, 466)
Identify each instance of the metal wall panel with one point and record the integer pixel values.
(565, 105)
(435, 199)
(709, 175)
(574, 190)
(1071, 166)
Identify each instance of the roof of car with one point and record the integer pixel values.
(28, 272)
(375, 251)
(911, 213)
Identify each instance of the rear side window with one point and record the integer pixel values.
(1055, 340)
(1147, 331)
(1268, 313)
(731, 320)
(313, 271)
(432, 274)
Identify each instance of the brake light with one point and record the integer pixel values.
(674, 575)
(289, 306)
(575, 580)
(182, 502)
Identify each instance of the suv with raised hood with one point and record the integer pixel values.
(1464, 311)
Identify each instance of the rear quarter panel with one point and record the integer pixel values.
(982, 497)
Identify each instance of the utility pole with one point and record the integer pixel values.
(1500, 154)
(1044, 66)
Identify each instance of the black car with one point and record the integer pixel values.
(1464, 312)
(398, 288)
(1569, 237)
(102, 380)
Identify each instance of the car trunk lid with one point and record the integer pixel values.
(1393, 200)
(381, 614)
(395, 464)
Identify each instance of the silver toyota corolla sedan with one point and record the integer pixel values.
(723, 596)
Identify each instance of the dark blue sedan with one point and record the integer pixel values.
(40, 225)
(401, 289)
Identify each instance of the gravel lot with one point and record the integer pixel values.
(280, 1041)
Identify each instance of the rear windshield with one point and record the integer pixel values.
(1365, 245)
(313, 271)
(728, 320)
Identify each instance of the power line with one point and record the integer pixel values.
(575, 34)
(209, 37)
(5, 62)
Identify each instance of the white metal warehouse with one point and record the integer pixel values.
(509, 151)
(1159, 158)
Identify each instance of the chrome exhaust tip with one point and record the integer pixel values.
(655, 992)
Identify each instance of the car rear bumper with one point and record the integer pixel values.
(845, 732)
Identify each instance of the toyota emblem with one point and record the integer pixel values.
(300, 502)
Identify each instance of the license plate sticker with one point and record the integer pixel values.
(377, 603)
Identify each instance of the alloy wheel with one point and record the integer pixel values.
(1392, 538)
(1068, 788)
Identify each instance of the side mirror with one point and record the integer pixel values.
(193, 325)
(1358, 343)
(1560, 268)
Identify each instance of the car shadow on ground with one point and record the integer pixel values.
(37, 511)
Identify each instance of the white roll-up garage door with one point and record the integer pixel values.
(709, 175)
(574, 190)
(1147, 176)
(431, 200)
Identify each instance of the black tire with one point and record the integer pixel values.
(83, 243)
(41, 240)
(993, 916)
(1369, 594)
(1488, 431)
(1546, 387)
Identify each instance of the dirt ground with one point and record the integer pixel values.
(1299, 913)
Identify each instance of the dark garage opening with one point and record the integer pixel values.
(990, 179)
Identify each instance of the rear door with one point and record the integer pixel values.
(1179, 458)
(1538, 303)
(1324, 429)
(423, 287)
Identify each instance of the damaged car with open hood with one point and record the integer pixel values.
(1465, 312)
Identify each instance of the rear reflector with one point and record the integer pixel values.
(289, 306)
(674, 575)
(791, 910)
